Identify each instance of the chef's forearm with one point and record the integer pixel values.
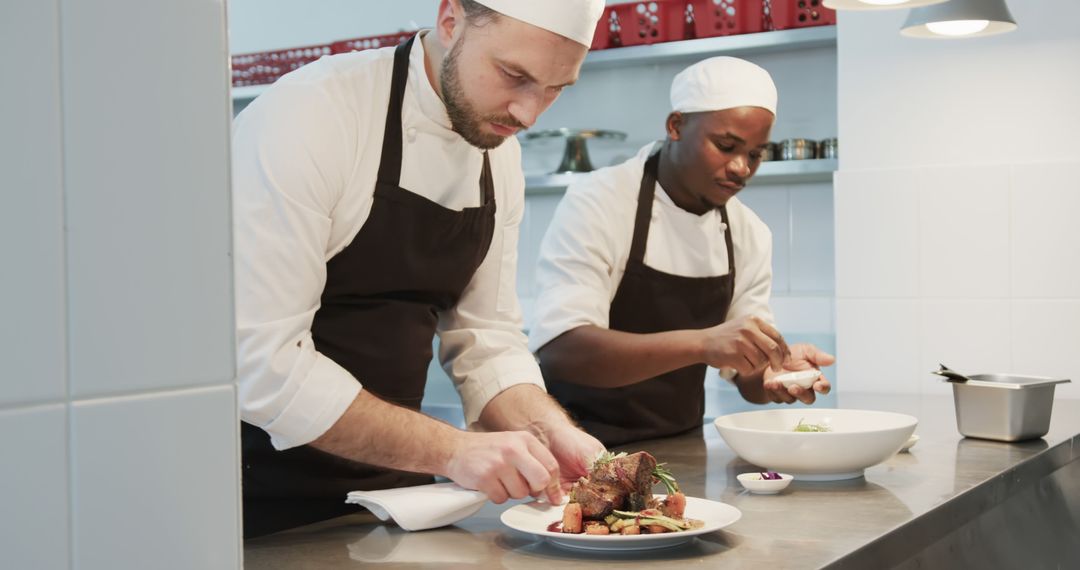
(605, 358)
(523, 407)
(379, 433)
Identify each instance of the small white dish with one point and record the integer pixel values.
(909, 444)
(754, 483)
(802, 378)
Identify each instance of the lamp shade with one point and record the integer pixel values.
(959, 19)
(877, 4)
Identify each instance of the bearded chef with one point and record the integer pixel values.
(377, 200)
(652, 270)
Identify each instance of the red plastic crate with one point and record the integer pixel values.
(371, 42)
(651, 22)
(602, 35)
(787, 14)
(267, 66)
(727, 17)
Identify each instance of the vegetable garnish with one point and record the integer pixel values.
(805, 427)
(770, 475)
(662, 473)
(607, 457)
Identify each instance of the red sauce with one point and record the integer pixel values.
(555, 527)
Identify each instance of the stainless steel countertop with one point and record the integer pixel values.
(899, 507)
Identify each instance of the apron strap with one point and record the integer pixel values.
(644, 208)
(643, 217)
(390, 170)
(487, 182)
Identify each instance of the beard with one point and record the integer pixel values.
(464, 119)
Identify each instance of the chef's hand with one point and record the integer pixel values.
(504, 465)
(746, 344)
(803, 357)
(575, 451)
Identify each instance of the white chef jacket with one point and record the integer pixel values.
(584, 252)
(305, 158)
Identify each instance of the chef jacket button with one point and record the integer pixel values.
(723, 227)
(411, 134)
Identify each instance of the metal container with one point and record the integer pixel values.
(829, 148)
(1004, 407)
(770, 152)
(798, 149)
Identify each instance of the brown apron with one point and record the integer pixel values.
(650, 301)
(410, 261)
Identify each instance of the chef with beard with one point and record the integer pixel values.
(377, 199)
(653, 270)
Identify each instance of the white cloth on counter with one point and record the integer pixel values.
(573, 19)
(584, 252)
(421, 507)
(305, 157)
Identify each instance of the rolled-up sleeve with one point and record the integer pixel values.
(482, 345)
(575, 272)
(290, 154)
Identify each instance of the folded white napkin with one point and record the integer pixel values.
(421, 507)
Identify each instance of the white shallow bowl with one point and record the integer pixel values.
(755, 484)
(802, 378)
(857, 439)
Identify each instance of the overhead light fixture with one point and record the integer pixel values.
(877, 4)
(959, 19)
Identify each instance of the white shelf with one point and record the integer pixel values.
(247, 92)
(773, 172)
(745, 44)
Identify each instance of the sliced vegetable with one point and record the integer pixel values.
(771, 475)
(811, 426)
(571, 519)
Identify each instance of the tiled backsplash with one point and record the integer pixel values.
(973, 266)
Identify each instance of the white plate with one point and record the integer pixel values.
(535, 518)
(802, 378)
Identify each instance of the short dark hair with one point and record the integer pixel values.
(477, 14)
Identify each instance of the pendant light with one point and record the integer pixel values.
(877, 4)
(959, 19)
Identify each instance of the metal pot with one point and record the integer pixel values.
(829, 148)
(770, 152)
(798, 149)
(1004, 407)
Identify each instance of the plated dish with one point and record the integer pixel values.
(613, 507)
(536, 518)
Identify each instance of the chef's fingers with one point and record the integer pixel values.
(803, 395)
(822, 386)
(771, 351)
(494, 490)
(775, 336)
(546, 478)
(777, 392)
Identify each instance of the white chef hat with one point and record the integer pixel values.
(720, 83)
(573, 19)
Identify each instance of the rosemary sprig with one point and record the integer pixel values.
(665, 476)
(607, 457)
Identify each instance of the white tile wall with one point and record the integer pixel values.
(877, 234)
(156, 475)
(964, 232)
(812, 255)
(31, 220)
(146, 158)
(1045, 243)
(1045, 337)
(115, 236)
(877, 345)
(772, 204)
(972, 336)
(34, 479)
